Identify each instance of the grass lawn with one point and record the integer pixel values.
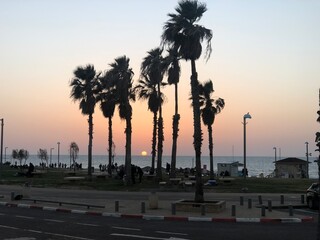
(56, 178)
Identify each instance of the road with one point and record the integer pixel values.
(34, 224)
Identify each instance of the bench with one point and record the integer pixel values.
(36, 174)
(175, 181)
(73, 179)
(227, 179)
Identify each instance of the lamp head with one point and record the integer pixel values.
(247, 116)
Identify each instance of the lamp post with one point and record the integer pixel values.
(307, 154)
(58, 153)
(2, 120)
(275, 160)
(51, 154)
(246, 116)
(5, 154)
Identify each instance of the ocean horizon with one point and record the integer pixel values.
(256, 164)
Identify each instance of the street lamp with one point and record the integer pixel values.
(307, 154)
(5, 154)
(275, 159)
(58, 153)
(51, 155)
(2, 120)
(246, 116)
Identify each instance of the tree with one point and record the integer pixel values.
(120, 76)
(154, 67)
(21, 154)
(107, 99)
(147, 90)
(182, 33)
(43, 156)
(210, 108)
(74, 150)
(173, 72)
(84, 87)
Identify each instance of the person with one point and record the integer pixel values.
(30, 170)
(140, 174)
(167, 167)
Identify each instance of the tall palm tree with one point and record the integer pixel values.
(83, 89)
(154, 67)
(182, 32)
(210, 108)
(173, 72)
(121, 75)
(147, 90)
(107, 99)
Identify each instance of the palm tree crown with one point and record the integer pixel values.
(182, 32)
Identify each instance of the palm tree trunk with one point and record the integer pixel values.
(175, 130)
(90, 121)
(128, 132)
(197, 135)
(160, 140)
(210, 151)
(110, 144)
(154, 142)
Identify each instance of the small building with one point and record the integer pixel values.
(291, 168)
(229, 169)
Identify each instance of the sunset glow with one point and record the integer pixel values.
(265, 61)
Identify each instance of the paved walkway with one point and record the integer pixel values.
(157, 205)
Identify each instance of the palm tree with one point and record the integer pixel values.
(210, 108)
(147, 90)
(182, 33)
(120, 76)
(107, 99)
(74, 150)
(154, 67)
(173, 72)
(84, 88)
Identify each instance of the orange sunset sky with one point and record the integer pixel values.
(265, 60)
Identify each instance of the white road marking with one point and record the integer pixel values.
(46, 233)
(145, 237)
(53, 220)
(88, 224)
(172, 233)
(21, 238)
(3, 226)
(124, 228)
(26, 217)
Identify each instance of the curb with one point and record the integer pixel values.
(162, 218)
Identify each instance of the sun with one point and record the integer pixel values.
(144, 153)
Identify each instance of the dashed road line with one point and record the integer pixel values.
(88, 224)
(25, 217)
(172, 233)
(53, 220)
(124, 228)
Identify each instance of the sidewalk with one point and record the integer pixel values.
(137, 204)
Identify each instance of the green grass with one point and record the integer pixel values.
(55, 178)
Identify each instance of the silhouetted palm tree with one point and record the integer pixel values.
(173, 72)
(107, 99)
(182, 33)
(210, 108)
(147, 90)
(84, 88)
(153, 66)
(121, 75)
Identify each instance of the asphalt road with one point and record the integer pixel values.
(20, 223)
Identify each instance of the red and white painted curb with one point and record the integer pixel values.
(168, 218)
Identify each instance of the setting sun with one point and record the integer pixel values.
(144, 153)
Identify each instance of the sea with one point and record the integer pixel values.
(257, 166)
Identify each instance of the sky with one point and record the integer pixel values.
(265, 60)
